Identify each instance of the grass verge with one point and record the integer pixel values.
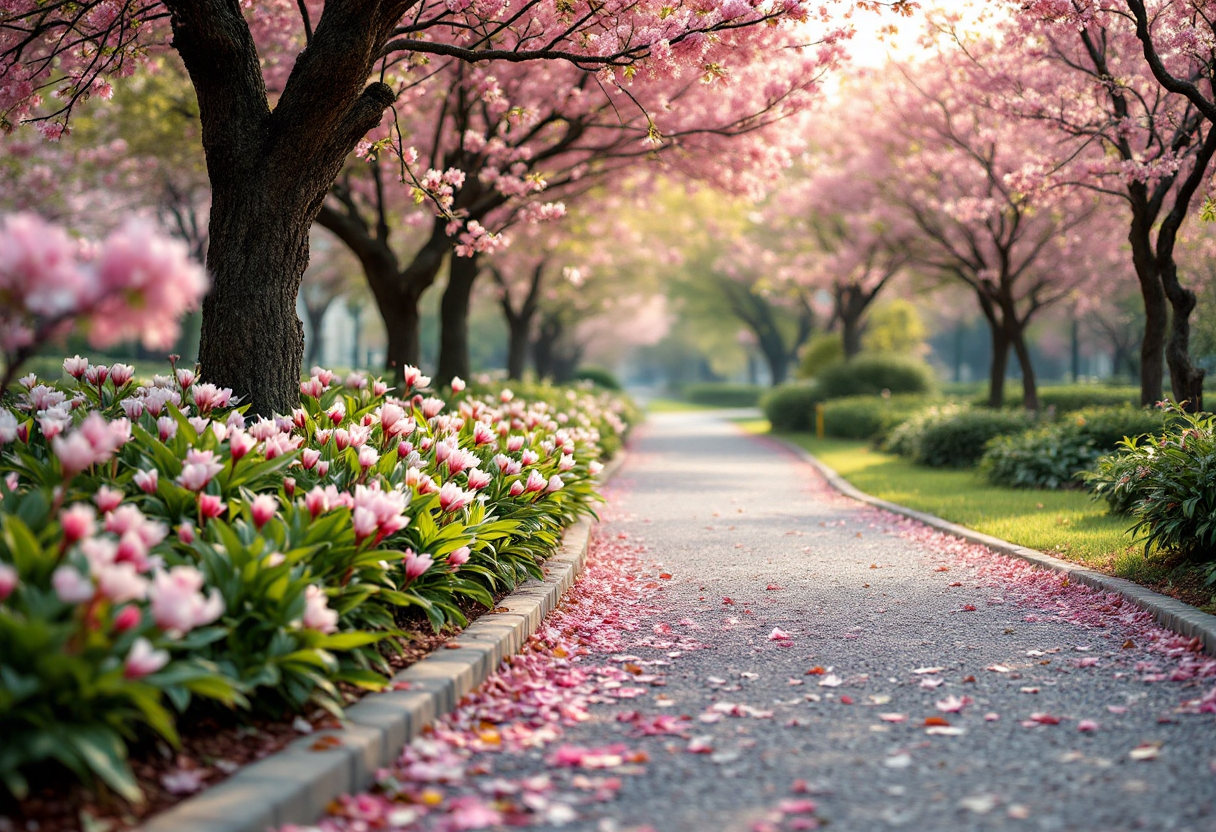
(675, 406)
(1067, 524)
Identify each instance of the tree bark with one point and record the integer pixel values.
(517, 347)
(1030, 391)
(778, 359)
(454, 319)
(1185, 378)
(315, 315)
(1156, 309)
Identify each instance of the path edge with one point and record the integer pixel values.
(295, 784)
(1169, 612)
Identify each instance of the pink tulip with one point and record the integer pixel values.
(71, 586)
(404, 448)
(317, 614)
(133, 408)
(453, 498)
(322, 375)
(96, 374)
(536, 481)
(121, 582)
(517, 488)
(478, 478)
(210, 506)
(323, 468)
(595, 467)
(457, 384)
(185, 377)
(147, 480)
(368, 457)
(289, 486)
(166, 427)
(414, 378)
(416, 565)
(75, 366)
(8, 580)
(263, 508)
(459, 557)
(74, 452)
(128, 617)
(240, 443)
(529, 457)
(185, 533)
(364, 521)
(144, 659)
(432, 407)
(207, 397)
(316, 503)
(312, 388)
(555, 484)
(177, 602)
(379, 388)
(77, 522)
(309, 458)
(107, 499)
(515, 443)
(120, 374)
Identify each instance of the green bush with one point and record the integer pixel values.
(953, 436)
(791, 407)
(821, 352)
(1053, 456)
(1167, 483)
(868, 417)
(599, 377)
(1066, 398)
(723, 394)
(870, 375)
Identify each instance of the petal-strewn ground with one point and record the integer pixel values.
(750, 651)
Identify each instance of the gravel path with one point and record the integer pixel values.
(807, 639)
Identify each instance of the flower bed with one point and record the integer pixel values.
(161, 554)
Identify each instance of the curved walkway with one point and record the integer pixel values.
(894, 677)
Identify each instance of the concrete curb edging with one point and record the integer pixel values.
(1168, 612)
(295, 784)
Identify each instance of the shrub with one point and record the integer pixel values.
(820, 353)
(1066, 398)
(1167, 483)
(791, 407)
(598, 376)
(953, 436)
(870, 375)
(868, 417)
(149, 557)
(723, 394)
(1053, 456)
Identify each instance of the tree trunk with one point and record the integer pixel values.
(1185, 378)
(454, 319)
(1017, 337)
(314, 343)
(544, 349)
(517, 346)
(850, 326)
(778, 360)
(1156, 313)
(251, 338)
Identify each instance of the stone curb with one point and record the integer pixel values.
(1168, 612)
(296, 784)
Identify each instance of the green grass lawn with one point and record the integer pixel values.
(1065, 523)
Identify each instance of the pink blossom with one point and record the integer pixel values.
(515, 443)
(416, 565)
(75, 366)
(9, 580)
(166, 427)
(555, 484)
(457, 384)
(121, 374)
(317, 614)
(478, 478)
(459, 557)
(413, 377)
(364, 521)
(71, 586)
(74, 452)
(240, 443)
(312, 388)
(536, 482)
(368, 456)
(127, 618)
(144, 659)
(316, 502)
(78, 521)
(453, 498)
(121, 582)
(96, 374)
(263, 507)
(517, 488)
(432, 407)
(207, 397)
(177, 602)
(210, 506)
(147, 480)
(107, 499)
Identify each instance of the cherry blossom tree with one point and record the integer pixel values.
(286, 91)
(956, 168)
(1083, 74)
(512, 145)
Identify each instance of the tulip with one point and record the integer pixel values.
(457, 384)
(459, 557)
(128, 617)
(209, 506)
(71, 586)
(555, 484)
(536, 481)
(416, 565)
(120, 374)
(147, 480)
(107, 499)
(317, 614)
(263, 508)
(517, 488)
(75, 366)
(77, 522)
(144, 659)
(8, 580)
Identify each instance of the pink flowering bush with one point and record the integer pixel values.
(161, 548)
